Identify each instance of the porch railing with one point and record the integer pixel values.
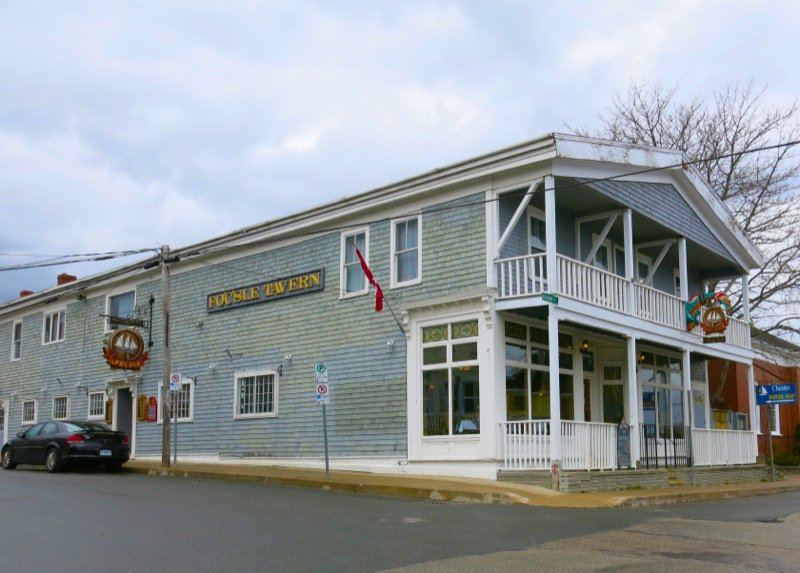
(526, 445)
(659, 306)
(522, 276)
(588, 446)
(527, 276)
(723, 447)
(590, 284)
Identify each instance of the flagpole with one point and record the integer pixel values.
(394, 316)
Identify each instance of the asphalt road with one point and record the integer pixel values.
(91, 521)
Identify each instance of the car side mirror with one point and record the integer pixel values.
(20, 434)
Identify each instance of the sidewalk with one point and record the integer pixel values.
(458, 489)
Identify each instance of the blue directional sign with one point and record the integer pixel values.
(776, 394)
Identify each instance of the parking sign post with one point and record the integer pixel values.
(322, 391)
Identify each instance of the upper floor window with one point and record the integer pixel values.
(537, 232)
(61, 407)
(29, 411)
(256, 394)
(120, 306)
(406, 252)
(54, 323)
(352, 278)
(16, 340)
(643, 266)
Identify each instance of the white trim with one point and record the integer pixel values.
(394, 283)
(252, 374)
(89, 415)
(25, 422)
(49, 314)
(777, 431)
(186, 381)
(14, 340)
(117, 292)
(343, 242)
(66, 415)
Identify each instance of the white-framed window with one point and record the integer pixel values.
(450, 379)
(699, 405)
(255, 394)
(30, 412)
(406, 252)
(16, 340)
(352, 279)
(603, 258)
(53, 326)
(661, 383)
(122, 305)
(528, 372)
(61, 407)
(182, 401)
(537, 231)
(774, 420)
(643, 266)
(97, 405)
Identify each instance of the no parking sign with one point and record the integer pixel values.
(323, 393)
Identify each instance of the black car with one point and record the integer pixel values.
(57, 444)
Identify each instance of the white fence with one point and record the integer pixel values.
(522, 276)
(723, 447)
(659, 307)
(526, 445)
(585, 445)
(587, 283)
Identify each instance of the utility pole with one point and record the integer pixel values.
(165, 402)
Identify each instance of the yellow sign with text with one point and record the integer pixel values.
(267, 291)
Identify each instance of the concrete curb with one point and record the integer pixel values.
(463, 491)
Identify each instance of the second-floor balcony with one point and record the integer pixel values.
(526, 276)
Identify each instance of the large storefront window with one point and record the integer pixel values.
(662, 394)
(528, 373)
(450, 379)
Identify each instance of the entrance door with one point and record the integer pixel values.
(613, 393)
(123, 412)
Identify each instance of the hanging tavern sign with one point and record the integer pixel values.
(711, 311)
(124, 349)
(267, 291)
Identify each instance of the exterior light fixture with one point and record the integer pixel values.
(585, 347)
(390, 346)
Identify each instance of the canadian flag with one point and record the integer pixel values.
(372, 281)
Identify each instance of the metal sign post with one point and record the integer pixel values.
(175, 382)
(768, 395)
(322, 391)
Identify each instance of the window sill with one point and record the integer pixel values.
(345, 295)
(406, 284)
(254, 416)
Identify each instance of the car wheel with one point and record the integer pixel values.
(52, 461)
(8, 461)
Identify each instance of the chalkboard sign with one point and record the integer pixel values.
(623, 446)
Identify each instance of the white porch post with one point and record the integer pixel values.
(550, 233)
(683, 269)
(627, 228)
(751, 395)
(633, 399)
(746, 298)
(686, 371)
(555, 389)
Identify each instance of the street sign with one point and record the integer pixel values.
(175, 380)
(321, 372)
(776, 394)
(551, 298)
(323, 393)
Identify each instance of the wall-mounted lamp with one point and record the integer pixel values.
(585, 347)
(390, 346)
(287, 359)
(83, 387)
(43, 390)
(14, 394)
(212, 366)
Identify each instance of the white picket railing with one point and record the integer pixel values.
(723, 447)
(522, 276)
(588, 446)
(738, 333)
(659, 306)
(589, 284)
(526, 445)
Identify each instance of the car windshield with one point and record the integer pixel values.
(72, 427)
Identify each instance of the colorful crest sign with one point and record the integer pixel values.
(125, 350)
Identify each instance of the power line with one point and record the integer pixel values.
(75, 258)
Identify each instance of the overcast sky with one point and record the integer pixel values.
(131, 125)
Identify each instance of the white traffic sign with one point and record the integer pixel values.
(323, 393)
(321, 373)
(175, 380)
